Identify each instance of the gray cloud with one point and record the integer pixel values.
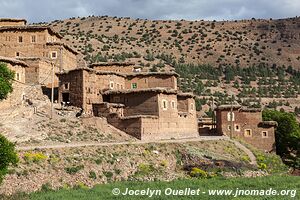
(41, 10)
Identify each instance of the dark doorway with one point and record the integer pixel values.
(47, 91)
(66, 97)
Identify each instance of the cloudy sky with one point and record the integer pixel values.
(48, 10)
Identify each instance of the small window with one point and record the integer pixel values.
(229, 127)
(173, 104)
(17, 76)
(33, 38)
(264, 134)
(20, 39)
(118, 86)
(237, 127)
(111, 85)
(66, 86)
(248, 133)
(133, 85)
(164, 104)
(229, 116)
(192, 107)
(53, 54)
(17, 54)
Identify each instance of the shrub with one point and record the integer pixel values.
(6, 78)
(74, 169)
(34, 157)
(92, 175)
(145, 169)
(8, 156)
(199, 173)
(108, 174)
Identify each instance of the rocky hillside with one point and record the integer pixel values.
(245, 42)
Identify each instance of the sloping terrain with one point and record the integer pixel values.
(244, 42)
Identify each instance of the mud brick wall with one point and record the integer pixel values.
(27, 48)
(19, 71)
(115, 68)
(40, 72)
(65, 60)
(137, 103)
(151, 81)
(10, 46)
(76, 87)
(131, 126)
(94, 84)
(12, 23)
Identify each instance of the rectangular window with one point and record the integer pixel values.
(133, 85)
(111, 85)
(229, 127)
(66, 86)
(164, 104)
(173, 104)
(192, 107)
(33, 38)
(230, 116)
(53, 55)
(248, 133)
(20, 39)
(17, 54)
(17, 76)
(237, 127)
(264, 134)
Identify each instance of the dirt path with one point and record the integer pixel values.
(247, 151)
(87, 144)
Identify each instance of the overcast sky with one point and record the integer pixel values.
(48, 10)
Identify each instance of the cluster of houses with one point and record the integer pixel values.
(146, 105)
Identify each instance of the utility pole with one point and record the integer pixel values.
(231, 117)
(213, 113)
(52, 90)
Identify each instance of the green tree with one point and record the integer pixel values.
(8, 156)
(6, 78)
(287, 136)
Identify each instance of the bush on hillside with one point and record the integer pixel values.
(8, 156)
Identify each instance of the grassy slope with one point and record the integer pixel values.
(104, 191)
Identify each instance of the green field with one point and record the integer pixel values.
(105, 191)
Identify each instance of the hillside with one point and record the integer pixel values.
(245, 42)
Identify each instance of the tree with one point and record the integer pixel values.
(8, 156)
(6, 78)
(287, 136)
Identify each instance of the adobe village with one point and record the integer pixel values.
(64, 109)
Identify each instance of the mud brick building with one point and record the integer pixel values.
(246, 124)
(39, 47)
(146, 105)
